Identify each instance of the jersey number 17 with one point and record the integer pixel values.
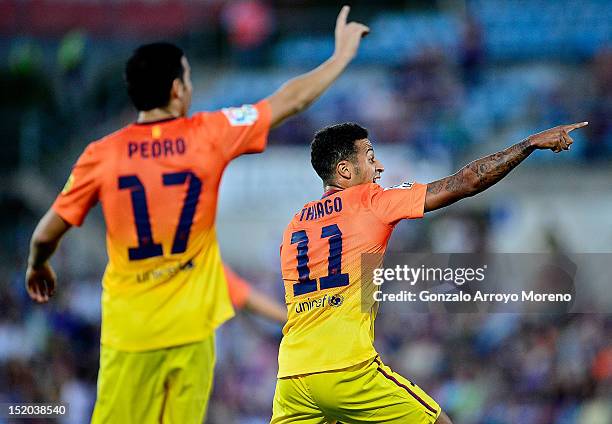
(147, 248)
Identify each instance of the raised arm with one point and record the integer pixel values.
(483, 173)
(298, 93)
(40, 278)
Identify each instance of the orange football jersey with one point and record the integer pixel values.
(158, 184)
(327, 328)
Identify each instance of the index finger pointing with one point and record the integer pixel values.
(572, 127)
(342, 16)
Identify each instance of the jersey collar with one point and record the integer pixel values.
(159, 121)
(330, 192)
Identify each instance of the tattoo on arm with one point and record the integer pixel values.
(491, 169)
(476, 176)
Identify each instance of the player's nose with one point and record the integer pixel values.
(379, 166)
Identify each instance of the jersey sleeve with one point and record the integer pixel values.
(239, 289)
(241, 130)
(80, 193)
(404, 201)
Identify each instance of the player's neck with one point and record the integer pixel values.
(157, 114)
(331, 188)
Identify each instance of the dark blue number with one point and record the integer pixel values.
(306, 285)
(146, 247)
(334, 276)
(189, 206)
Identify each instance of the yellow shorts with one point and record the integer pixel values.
(170, 385)
(365, 393)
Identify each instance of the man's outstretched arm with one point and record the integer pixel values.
(244, 295)
(261, 304)
(298, 93)
(40, 278)
(483, 173)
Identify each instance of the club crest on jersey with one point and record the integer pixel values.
(406, 185)
(241, 116)
(336, 300)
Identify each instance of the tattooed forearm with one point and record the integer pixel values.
(476, 176)
(452, 184)
(489, 170)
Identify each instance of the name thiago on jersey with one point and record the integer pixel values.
(321, 209)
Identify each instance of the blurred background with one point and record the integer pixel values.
(437, 83)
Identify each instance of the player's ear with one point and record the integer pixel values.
(344, 169)
(178, 89)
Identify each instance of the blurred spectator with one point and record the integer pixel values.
(472, 53)
(70, 60)
(249, 25)
(599, 145)
(70, 54)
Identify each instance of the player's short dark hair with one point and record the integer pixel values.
(149, 74)
(333, 144)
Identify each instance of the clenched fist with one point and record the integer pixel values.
(40, 283)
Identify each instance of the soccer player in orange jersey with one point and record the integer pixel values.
(328, 367)
(164, 290)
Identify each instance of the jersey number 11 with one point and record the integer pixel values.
(334, 277)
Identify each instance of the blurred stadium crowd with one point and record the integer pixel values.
(444, 82)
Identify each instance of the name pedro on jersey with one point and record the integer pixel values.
(156, 148)
(321, 209)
